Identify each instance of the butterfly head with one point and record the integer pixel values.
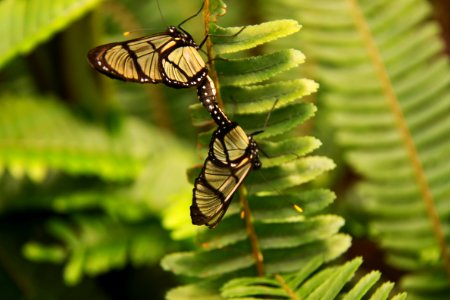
(181, 35)
(173, 30)
(254, 155)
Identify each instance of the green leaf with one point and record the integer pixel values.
(287, 149)
(363, 286)
(279, 208)
(426, 283)
(230, 40)
(299, 233)
(90, 249)
(261, 98)
(246, 287)
(242, 71)
(330, 288)
(383, 291)
(230, 233)
(290, 174)
(206, 264)
(47, 136)
(36, 252)
(199, 291)
(288, 260)
(257, 99)
(298, 278)
(281, 120)
(218, 8)
(23, 26)
(328, 283)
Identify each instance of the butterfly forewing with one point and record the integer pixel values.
(170, 57)
(135, 60)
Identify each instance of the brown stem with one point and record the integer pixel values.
(442, 14)
(16, 276)
(256, 252)
(211, 68)
(400, 120)
(286, 288)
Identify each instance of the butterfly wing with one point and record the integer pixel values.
(134, 60)
(170, 57)
(230, 159)
(183, 67)
(214, 189)
(229, 144)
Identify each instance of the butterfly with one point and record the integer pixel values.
(170, 57)
(232, 155)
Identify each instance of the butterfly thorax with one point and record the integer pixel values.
(254, 156)
(181, 37)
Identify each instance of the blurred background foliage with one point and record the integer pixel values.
(93, 188)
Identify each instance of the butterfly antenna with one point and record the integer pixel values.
(193, 16)
(266, 122)
(220, 35)
(160, 13)
(269, 114)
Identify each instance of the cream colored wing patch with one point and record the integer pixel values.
(214, 190)
(184, 65)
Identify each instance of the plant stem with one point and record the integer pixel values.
(15, 274)
(285, 287)
(212, 70)
(256, 252)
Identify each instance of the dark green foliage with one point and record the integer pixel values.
(23, 24)
(93, 190)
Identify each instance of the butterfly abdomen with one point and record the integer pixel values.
(206, 93)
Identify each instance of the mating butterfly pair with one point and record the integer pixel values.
(172, 58)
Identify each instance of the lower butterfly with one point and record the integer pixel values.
(232, 155)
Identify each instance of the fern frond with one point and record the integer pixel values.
(264, 233)
(309, 283)
(236, 39)
(386, 88)
(38, 135)
(244, 71)
(23, 25)
(90, 248)
(260, 98)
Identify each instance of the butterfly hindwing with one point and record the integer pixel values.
(184, 66)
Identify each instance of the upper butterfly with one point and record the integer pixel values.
(170, 57)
